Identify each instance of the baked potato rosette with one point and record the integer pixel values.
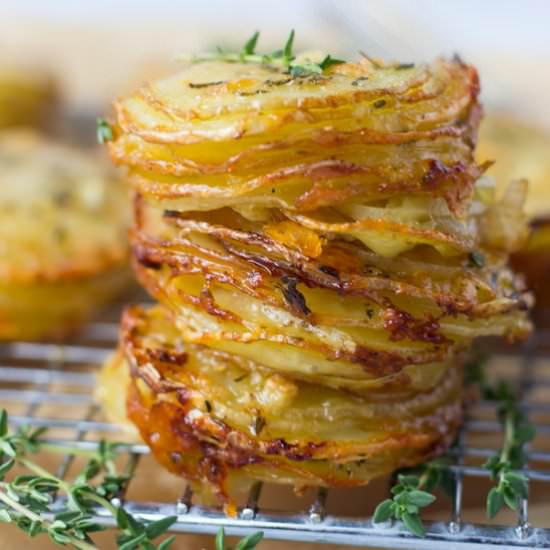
(208, 417)
(63, 233)
(325, 248)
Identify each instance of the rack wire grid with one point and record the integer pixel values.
(45, 384)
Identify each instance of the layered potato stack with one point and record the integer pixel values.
(324, 249)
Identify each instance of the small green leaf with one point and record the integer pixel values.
(104, 131)
(476, 259)
(420, 498)
(6, 467)
(135, 526)
(518, 482)
(3, 423)
(250, 46)
(122, 518)
(166, 543)
(510, 498)
(396, 489)
(383, 511)
(7, 448)
(59, 538)
(133, 542)
(414, 524)
(220, 539)
(35, 528)
(287, 50)
(250, 542)
(328, 61)
(5, 516)
(495, 501)
(408, 480)
(157, 528)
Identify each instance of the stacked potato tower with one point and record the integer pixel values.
(324, 249)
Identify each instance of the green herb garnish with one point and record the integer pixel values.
(476, 259)
(511, 485)
(104, 132)
(248, 543)
(283, 58)
(409, 495)
(28, 500)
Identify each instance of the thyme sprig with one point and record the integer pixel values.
(104, 132)
(412, 492)
(283, 58)
(30, 501)
(511, 485)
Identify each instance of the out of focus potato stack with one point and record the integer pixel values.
(27, 96)
(63, 236)
(523, 150)
(324, 248)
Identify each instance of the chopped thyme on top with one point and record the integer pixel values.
(205, 84)
(259, 425)
(283, 58)
(476, 259)
(104, 132)
(403, 66)
(358, 80)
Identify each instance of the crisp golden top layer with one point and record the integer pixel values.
(62, 214)
(220, 100)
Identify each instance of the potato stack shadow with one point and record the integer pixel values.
(324, 249)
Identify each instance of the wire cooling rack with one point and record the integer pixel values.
(43, 384)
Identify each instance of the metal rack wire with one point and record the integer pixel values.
(60, 378)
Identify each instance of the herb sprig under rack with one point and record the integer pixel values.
(283, 58)
(413, 490)
(30, 501)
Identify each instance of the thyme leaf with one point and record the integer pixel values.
(283, 58)
(104, 132)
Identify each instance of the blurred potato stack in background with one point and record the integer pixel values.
(324, 248)
(522, 150)
(63, 227)
(27, 96)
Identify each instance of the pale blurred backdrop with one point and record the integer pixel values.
(99, 48)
